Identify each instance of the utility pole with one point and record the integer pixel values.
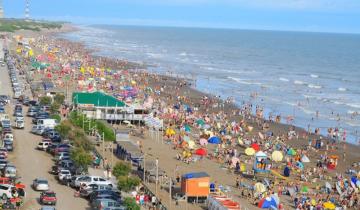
(144, 162)
(157, 176)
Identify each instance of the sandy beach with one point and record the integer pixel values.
(181, 107)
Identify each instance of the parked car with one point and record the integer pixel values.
(86, 191)
(48, 197)
(40, 184)
(3, 164)
(47, 208)
(64, 174)
(5, 191)
(9, 171)
(8, 145)
(43, 145)
(32, 112)
(108, 204)
(95, 180)
(104, 194)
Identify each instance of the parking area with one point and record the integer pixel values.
(31, 163)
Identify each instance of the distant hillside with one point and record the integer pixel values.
(12, 25)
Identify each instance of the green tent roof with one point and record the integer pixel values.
(97, 99)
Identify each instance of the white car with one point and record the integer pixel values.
(43, 145)
(95, 180)
(40, 184)
(64, 174)
(5, 191)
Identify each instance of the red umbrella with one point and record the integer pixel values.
(256, 147)
(201, 152)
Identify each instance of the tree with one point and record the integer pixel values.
(121, 169)
(81, 158)
(59, 98)
(45, 100)
(126, 183)
(64, 128)
(54, 108)
(130, 203)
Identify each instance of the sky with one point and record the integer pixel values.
(341, 16)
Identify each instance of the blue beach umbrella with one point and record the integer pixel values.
(214, 140)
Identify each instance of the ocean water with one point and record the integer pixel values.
(293, 73)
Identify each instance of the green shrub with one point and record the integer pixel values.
(59, 98)
(126, 183)
(54, 108)
(56, 117)
(81, 158)
(131, 204)
(45, 100)
(109, 134)
(64, 129)
(121, 169)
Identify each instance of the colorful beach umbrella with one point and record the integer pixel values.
(255, 146)
(291, 152)
(170, 132)
(267, 203)
(200, 122)
(329, 206)
(259, 187)
(277, 156)
(201, 152)
(214, 140)
(250, 151)
(191, 144)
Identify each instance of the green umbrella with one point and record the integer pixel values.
(200, 122)
(305, 189)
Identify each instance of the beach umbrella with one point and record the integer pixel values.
(250, 151)
(186, 138)
(329, 206)
(255, 146)
(203, 142)
(300, 165)
(276, 198)
(305, 159)
(277, 156)
(187, 128)
(259, 187)
(214, 140)
(170, 132)
(200, 122)
(191, 144)
(305, 189)
(267, 203)
(291, 152)
(201, 152)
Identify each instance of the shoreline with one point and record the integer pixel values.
(173, 87)
(301, 119)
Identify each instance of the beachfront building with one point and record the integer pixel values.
(100, 106)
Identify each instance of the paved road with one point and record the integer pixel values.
(32, 163)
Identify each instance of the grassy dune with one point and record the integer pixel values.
(12, 25)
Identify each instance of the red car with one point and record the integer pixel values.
(48, 197)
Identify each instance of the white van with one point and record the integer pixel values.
(19, 123)
(47, 123)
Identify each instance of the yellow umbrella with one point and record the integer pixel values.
(250, 151)
(328, 205)
(259, 187)
(170, 132)
(277, 156)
